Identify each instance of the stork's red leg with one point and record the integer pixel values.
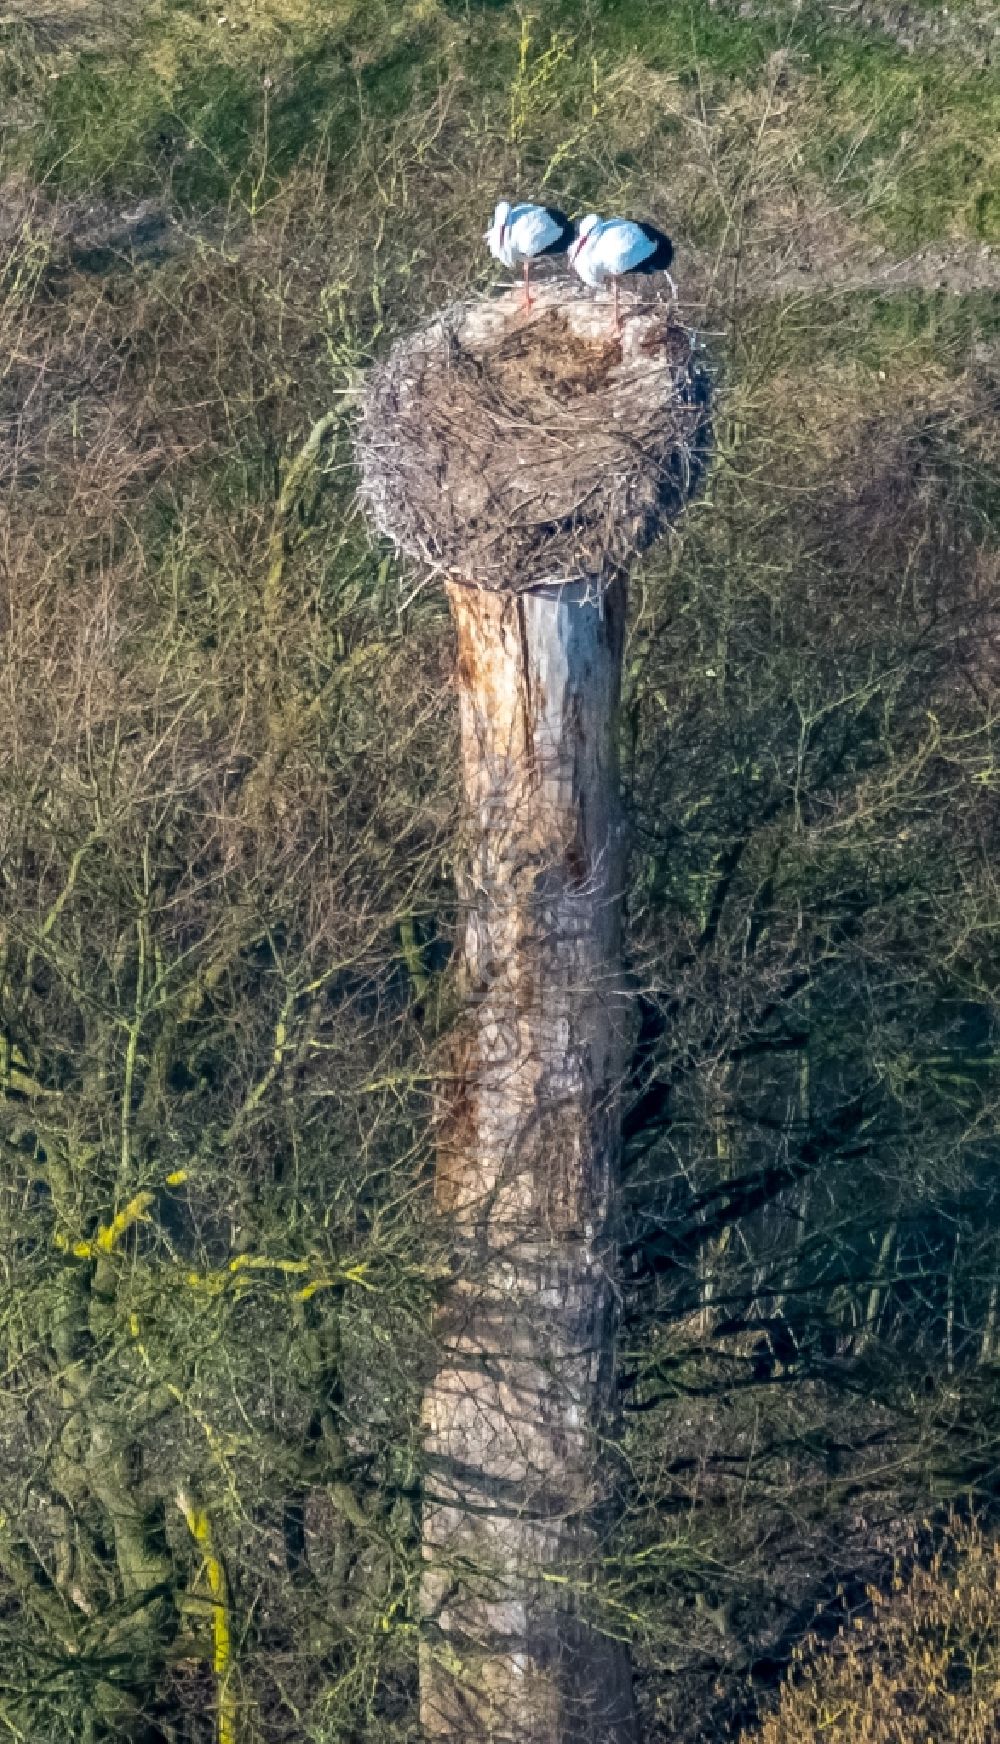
(618, 319)
(528, 299)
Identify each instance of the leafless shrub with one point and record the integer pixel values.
(922, 1668)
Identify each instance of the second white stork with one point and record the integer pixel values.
(519, 234)
(610, 248)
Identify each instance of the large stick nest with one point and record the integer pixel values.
(518, 450)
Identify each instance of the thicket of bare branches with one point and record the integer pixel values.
(923, 1667)
(220, 838)
(227, 823)
(813, 1128)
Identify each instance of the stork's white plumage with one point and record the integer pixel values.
(519, 234)
(610, 248)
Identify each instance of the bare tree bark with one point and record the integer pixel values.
(535, 457)
(519, 1477)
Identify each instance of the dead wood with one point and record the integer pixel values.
(520, 450)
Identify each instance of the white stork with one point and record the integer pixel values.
(522, 233)
(609, 248)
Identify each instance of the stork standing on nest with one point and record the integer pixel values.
(610, 248)
(519, 234)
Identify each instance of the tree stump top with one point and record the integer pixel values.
(522, 450)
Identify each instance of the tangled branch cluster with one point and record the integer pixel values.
(515, 453)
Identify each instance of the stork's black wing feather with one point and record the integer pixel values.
(566, 231)
(663, 250)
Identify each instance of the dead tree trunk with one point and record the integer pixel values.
(534, 458)
(528, 1151)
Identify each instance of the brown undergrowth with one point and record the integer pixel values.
(922, 1668)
